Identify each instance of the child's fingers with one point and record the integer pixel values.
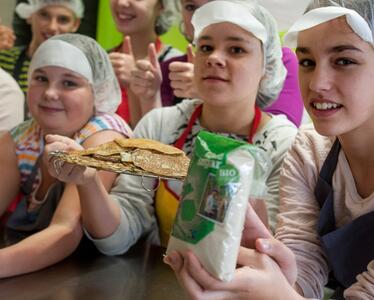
(127, 47)
(153, 57)
(190, 54)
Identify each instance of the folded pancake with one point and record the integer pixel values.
(135, 156)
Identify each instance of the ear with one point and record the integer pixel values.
(28, 20)
(77, 23)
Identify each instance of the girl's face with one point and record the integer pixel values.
(60, 100)
(228, 65)
(188, 8)
(336, 73)
(135, 16)
(52, 20)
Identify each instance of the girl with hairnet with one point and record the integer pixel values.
(47, 18)
(231, 71)
(72, 95)
(141, 23)
(178, 80)
(326, 223)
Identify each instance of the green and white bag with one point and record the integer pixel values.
(223, 175)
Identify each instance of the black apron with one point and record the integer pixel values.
(32, 221)
(349, 249)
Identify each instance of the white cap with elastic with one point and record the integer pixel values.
(321, 15)
(224, 11)
(73, 59)
(25, 10)
(84, 56)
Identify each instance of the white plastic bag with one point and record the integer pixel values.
(223, 175)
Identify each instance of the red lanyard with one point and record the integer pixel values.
(196, 114)
(158, 45)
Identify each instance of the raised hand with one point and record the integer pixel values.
(7, 37)
(146, 77)
(181, 75)
(64, 171)
(123, 63)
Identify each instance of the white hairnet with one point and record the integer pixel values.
(358, 13)
(265, 30)
(224, 11)
(25, 10)
(167, 18)
(365, 8)
(83, 55)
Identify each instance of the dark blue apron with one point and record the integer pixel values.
(32, 221)
(349, 249)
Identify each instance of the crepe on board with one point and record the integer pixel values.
(134, 156)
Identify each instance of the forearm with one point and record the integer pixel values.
(40, 250)
(135, 110)
(10, 176)
(136, 215)
(149, 104)
(100, 215)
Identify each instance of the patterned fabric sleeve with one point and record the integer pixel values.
(103, 122)
(29, 138)
(29, 145)
(299, 212)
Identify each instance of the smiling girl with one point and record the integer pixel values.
(326, 221)
(141, 23)
(47, 18)
(72, 93)
(178, 76)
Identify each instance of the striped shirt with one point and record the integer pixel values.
(28, 137)
(8, 62)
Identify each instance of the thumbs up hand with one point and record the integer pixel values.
(123, 62)
(182, 76)
(146, 77)
(7, 37)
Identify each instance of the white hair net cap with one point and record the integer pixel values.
(224, 11)
(25, 10)
(358, 13)
(84, 56)
(257, 20)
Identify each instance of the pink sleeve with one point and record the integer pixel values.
(289, 101)
(299, 211)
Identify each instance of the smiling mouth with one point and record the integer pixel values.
(325, 105)
(215, 78)
(51, 108)
(125, 17)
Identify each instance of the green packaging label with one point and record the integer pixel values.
(210, 185)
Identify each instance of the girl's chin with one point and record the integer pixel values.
(328, 129)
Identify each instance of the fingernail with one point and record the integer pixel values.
(168, 260)
(265, 244)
